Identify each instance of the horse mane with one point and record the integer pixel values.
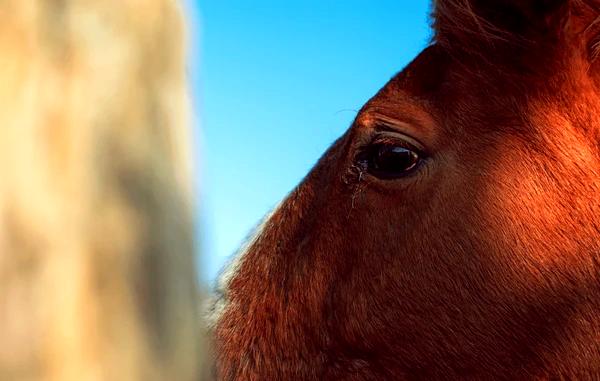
(594, 46)
(470, 24)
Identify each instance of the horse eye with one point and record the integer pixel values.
(391, 161)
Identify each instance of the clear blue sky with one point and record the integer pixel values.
(274, 83)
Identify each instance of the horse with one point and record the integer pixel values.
(453, 231)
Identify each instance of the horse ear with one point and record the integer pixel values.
(514, 24)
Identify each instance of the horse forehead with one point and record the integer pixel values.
(423, 76)
(416, 92)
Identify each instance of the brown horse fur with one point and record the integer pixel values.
(482, 264)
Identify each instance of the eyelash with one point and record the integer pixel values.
(381, 139)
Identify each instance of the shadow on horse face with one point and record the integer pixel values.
(453, 230)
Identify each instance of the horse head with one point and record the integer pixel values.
(453, 230)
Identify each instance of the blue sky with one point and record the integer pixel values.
(274, 83)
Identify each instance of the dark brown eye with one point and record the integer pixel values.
(390, 161)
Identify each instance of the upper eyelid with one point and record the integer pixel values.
(387, 139)
(404, 122)
(394, 134)
(384, 127)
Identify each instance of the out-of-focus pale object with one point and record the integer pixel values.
(97, 277)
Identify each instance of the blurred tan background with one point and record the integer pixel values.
(97, 269)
